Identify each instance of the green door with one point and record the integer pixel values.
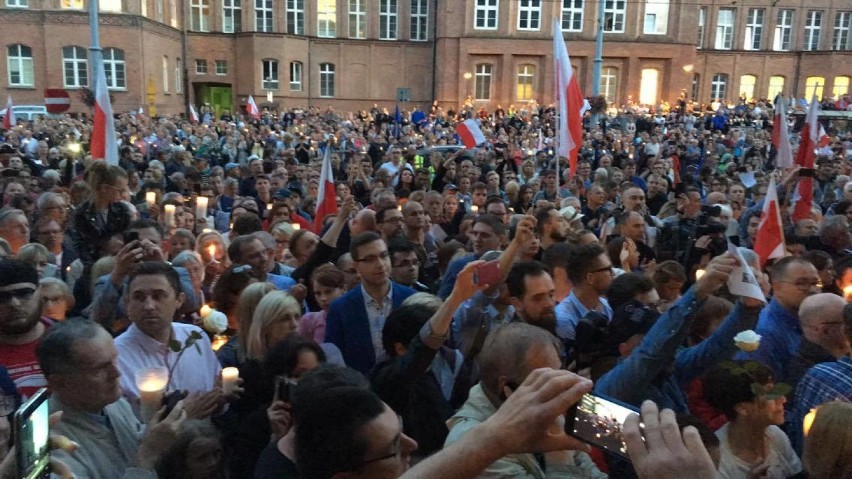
(217, 96)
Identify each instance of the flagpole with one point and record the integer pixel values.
(95, 42)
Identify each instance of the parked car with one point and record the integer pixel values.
(26, 112)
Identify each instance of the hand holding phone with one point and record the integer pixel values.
(599, 421)
(488, 273)
(31, 423)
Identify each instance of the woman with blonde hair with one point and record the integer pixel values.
(233, 353)
(828, 446)
(283, 232)
(37, 256)
(56, 298)
(275, 318)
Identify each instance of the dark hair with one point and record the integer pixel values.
(668, 271)
(236, 246)
(380, 215)
(283, 357)
(613, 250)
(55, 350)
(708, 436)
(581, 260)
(247, 223)
(494, 199)
(542, 216)
(820, 259)
(493, 222)
(729, 384)
(556, 256)
(400, 245)
(360, 240)
(144, 224)
(328, 275)
(232, 282)
(519, 272)
(156, 268)
(714, 307)
(403, 324)
(626, 286)
(172, 463)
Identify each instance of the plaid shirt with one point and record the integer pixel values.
(822, 383)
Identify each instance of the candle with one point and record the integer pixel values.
(205, 311)
(269, 207)
(399, 208)
(211, 252)
(698, 274)
(201, 208)
(229, 379)
(151, 198)
(809, 421)
(152, 384)
(219, 340)
(206, 230)
(170, 216)
(847, 293)
(297, 226)
(474, 209)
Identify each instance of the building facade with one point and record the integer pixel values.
(352, 54)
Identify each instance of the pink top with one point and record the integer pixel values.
(312, 325)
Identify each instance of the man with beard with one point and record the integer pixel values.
(631, 225)
(590, 270)
(416, 231)
(552, 227)
(389, 223)
(531, 293)
(20, 326)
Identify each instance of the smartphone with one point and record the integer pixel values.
(170, 400)
(283, 388)
(599, 421)
(131, 236)
(31, 433)
(488, 273)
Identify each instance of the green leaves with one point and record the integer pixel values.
(767, 392)
(175, 346)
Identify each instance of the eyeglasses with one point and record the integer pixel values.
(608, 269)
(383, 256)
(395, 450)
(396, 219)
(804, 285)
(245, 268)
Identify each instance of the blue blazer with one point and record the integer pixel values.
(348, 326)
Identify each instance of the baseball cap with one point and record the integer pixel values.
(231, 166)
(281, 194)
(450, 187)
(252, 158)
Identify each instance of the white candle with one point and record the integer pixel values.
(847, 293)
(698, 274)
(151, 198)
(269, 206)
(170, 216)
(205, 311)
(297, 226)
(229, 379)
(809, 421)
(211, 252)
(474, 209)
(152, 384)
(201, 208)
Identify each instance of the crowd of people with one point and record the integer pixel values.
(449, 312)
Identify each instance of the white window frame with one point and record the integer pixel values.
(482, 83)
(178, 76)
(696, 86)
(296, 17)
(725, 21)
(419, 25)
(296, 70)
(615, 13)
(326, 19)
(529, 15)
(754, 29)
(388, 19)
(264, 20)
(200, 66)
(719, 87)
(115, 69)
(783, 37)
(199, 15)
(223, 64)
(270, 74)
(22, 64)
(17, 3)
(166, 67)
(813, 24)
(79, 62)
(609, 83)
(656, 17)
(489, 12)
(357, 19)
(572, 14)
(775, 86)
(232, 16)
(702, 27)
(525, 76)
(326, 80)
(840, 36)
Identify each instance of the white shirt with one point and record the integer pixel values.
(194, 372)
(779, 455)
(377, 316)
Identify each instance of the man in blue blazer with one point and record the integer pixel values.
(355, 320)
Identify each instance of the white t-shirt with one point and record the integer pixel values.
(782, 459)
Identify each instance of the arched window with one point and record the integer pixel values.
(841, 87)
(747, 84)
(814, 86)
(327, 80)
(114, 68)
(719, 87)
(526, 82)
(19, 64)
(482, 82)
(776, 87)
(74, 67)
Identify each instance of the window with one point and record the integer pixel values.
(173, 18)
(702, 21)
(814, 86)
(75, 67)
(841, 87)
(529, 14)
(614, 11)
(326, 18)
(656, 17)
(719, 87)
(725, 29)
(388, 19)
(357, 19)
(165, 74)
(199, 15)
(609, 84)
(232, 16)
(296, 17)
(200, 67)
(263, 15)
(419, 20)
(178, 76)
(572, 15)
(812, 26)
(747, 84)
(72, 4)
(754, 29)
(221, 67)
(526, 82)
(158, 5)
(295, 76)
(115, 69)
(17, 3)
(482, 82)
(776, 87)
(270, 74)
(648, 86)
(696, 85)
(115, 6)
(783, 31)
(326, 80)
(485, 14)
(840, 40)
(19, 63)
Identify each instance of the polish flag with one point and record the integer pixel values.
(193, 115)
(769, 242)
(103, 144)
(805, 159)
(781, 136)
(9, 119)
(824, 140)
(470, 133)
(253, 111)
(570, 100)
(326, 196)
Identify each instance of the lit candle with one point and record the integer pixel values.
(205, 311)
(151, 198)
(170, 216)
(297, 226)
(152, 384)
(474, 209)
(229, 379)
(269, 207)
(698, 274)
(399, 208)
(211, 252)
(847, 293)
(201, 208)
(809, 421)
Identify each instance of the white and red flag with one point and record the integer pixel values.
(824, 140)
(251, 108)
(326, 196)
(805, 159)
(470, 133)
(569, 99)
(769, 242)
(103, 144)
(9, 118)
(781, 135)
(193, 115)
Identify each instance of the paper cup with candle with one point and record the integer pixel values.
(747, 340)
(152, 384)
(201, 208)
(230, 376)
(151, 198)
(169, 215)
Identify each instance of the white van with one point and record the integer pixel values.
(26, 112)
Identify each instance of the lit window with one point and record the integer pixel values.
(747, 85)
(648, 85)
(327, 19)
(814, 86)
(72, 4)
(656, 17)
(526, 82)
(776, 87)
(841, 87)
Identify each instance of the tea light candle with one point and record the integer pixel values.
(229, 379)
(152, 384)
(170, 215)
(201, 207)
(269, 207)
(205, 311)
(698, 274)
(151, 198)
(809, 421)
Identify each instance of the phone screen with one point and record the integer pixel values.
(600, 421)
(31, 434)
(488, 273)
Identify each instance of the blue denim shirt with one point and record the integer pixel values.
(781, 336)
(476, 312)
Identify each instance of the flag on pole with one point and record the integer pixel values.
(103, 144)
(252, 109)
(824, 140)
(470, 133)
(805, 159)
(781, 136)
(9, 119)
(193, 115)
(326, 196)
(570, 101)
(540, 145)
(769, 242)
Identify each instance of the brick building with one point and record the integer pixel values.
(350, 54)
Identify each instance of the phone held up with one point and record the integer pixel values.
(599, 421)
(488, 273)
(31, 423)
(283, 388)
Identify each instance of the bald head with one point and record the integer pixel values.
(364, 220)
(821, 317)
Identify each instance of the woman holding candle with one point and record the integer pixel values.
(233, 353)
(276, 317)
(211, 247)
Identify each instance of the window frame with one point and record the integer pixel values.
(783, 38)
(357, 18)
(115, 68)
(178, 75)
(755, 21)
(702, 27)
(223, 71)
(327, 74)
(489, 11)
(166, 67)
(529, 15)
(616, 12)
(80, 67)
(295, 13)
(233, 10)
(264, 16)
(527, 72)
(17, 3)
(482, 81)
(326, 27)
(841, 31)
(22, 60)
(813, 30)
(388, 19)
(270, 74)
(198, 20)
(296, 76)
(572, 13)
(719, 84)
(774, 86)
(660, 11)
(201, 62)
(725, 31)
(419, 20)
